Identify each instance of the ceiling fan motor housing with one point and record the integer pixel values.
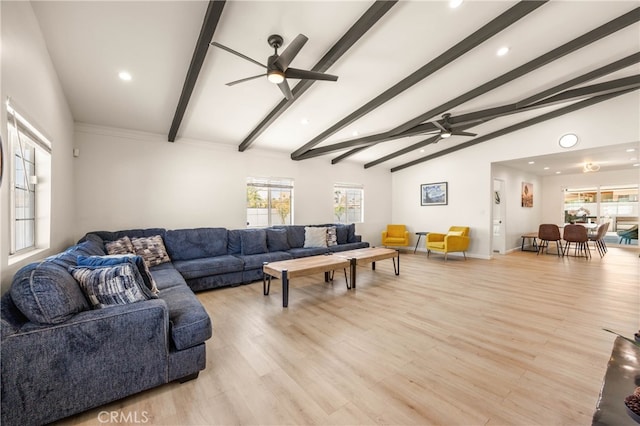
(275, 41)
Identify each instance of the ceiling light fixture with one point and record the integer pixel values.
(532, 162)
(631, 150)
(546, 168)
(590, 167)
(124, 76)
(304, 121)
(568, 141)
(502, 51)
(355, 133)
(454, 3)
(445, 135)
(275, 76)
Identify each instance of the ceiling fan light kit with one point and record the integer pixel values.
(278, 70)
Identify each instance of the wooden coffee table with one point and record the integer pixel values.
(287, 269)
(369, 255)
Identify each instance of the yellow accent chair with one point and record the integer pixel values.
(457, 239)
(395, 235)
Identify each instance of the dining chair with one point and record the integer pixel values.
(576, 234)
(549, 232)
(598, 238)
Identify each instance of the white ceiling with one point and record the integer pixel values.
(91, 41)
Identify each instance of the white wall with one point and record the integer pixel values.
(132, 179)
(29, 79)
(469, 173)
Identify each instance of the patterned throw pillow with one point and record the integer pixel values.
(315, 236)
(332, 236)
(121, 246)
(151, 249)
(111, 285)
(117, 259)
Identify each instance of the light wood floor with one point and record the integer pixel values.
(516, 340)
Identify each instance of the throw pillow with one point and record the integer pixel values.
(120, 246)
(117, 259)
(254, 241)
(277, 240)
(455, 233)
(332, 236)
(343, 234)
(315, 236)
(151, 249)
(111, 285)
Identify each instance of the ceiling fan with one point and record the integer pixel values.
(278, 69)
(447, 130)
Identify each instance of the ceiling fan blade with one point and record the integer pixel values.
(291, 51)
(286, 91)
(439, 126)
(242, 80)
(228, 49)
(309, 75)
(464, 134)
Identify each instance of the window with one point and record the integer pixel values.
(269, 202)
(348, 203)
(29, 164)
(617, 205)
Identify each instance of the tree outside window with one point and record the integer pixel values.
(269, 202)
(348, 203)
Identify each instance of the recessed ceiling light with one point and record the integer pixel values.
(569, 140)
(422, 151)
(532, 162)
(125, 76)
(636, 165)
(631, 150)
(546, 168)
(355, 133)
(558, 173)
(454, 3)
(304, 121)
(502, 51)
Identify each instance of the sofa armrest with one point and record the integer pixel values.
(98, 356)
(456, 242)
(435, 237)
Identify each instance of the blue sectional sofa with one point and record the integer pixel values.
(61, 356)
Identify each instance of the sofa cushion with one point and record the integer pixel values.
(254, 241)
(151, 249)
(255, 261)
(234, 244)
(131, 233)
(120, 246)
(166, 275)
(190, 325)
(196, 268)
(342, 232)
(46, 293)
(112, 285)
(277, 239)
(351, 233)
(315, 237)
(116, 259)
(197, 243)
(304, 252)
(295, 235)
(348, 246)
(69, 257)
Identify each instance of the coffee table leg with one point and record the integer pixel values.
(352, 269)
(397, 271)
(285, 289)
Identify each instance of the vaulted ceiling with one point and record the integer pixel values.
(401, 66)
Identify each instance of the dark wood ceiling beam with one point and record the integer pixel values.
(602, 71)
(519, 126)
(503, 21)
(211, 19)
(466, 121)
(362, 25)
(602, 31)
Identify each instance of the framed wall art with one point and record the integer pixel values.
(527, 194)
(434, 194)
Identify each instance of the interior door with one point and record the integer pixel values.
(498, 217)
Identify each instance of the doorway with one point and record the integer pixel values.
(498, 217)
